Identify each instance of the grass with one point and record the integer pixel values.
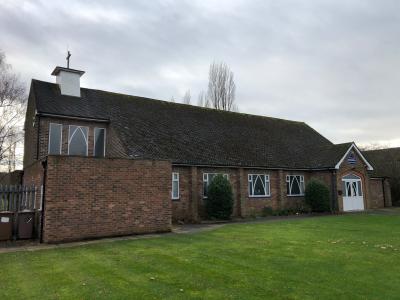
(341, 257)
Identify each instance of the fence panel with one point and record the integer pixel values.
(17, 198)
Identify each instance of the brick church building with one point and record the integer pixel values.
(111, 164)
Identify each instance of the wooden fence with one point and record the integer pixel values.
(16, 198)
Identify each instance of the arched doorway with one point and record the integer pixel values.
(352, 193)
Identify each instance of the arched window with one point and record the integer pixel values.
(352, 177)
(352, 186)
(259, 185)
(295, 185)
(78, 140)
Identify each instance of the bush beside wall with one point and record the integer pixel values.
(317, 196)
(219, 203)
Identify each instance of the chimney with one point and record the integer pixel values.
(68, 80)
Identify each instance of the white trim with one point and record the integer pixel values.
(94, 141)
(86, 138)
(301, 183)
(266, 182)
(48, 146)
(71, 117)
(353, 146)
(172, 190)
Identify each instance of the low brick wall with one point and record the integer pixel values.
(380, 193)
(98, 197)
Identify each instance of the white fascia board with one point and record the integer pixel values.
(353, 146)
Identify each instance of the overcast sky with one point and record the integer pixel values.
(332, 64)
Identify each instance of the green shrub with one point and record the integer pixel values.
(317, 196)
(219, 203)
(267, 211)
(252, 213)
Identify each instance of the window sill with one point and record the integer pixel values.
(295, 195)
(175, 199)
(260, 196)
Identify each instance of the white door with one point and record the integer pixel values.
(352, 193)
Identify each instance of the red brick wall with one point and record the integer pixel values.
(30, 131)
(97, 197)
(376, 193)
(33, 175)
(183, 209)
(252, 206)
(388, 194)
(279, 198)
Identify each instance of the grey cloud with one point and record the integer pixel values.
(332, 64)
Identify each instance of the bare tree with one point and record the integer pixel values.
(374, 146)
(186, 98)
(203, 100)
(221, 87)
(12, 106)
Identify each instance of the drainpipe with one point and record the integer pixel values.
(44, 164)
(334, 192)
(37, 140)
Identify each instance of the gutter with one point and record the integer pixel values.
(74, 117)
(252, 167)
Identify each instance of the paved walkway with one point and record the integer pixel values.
(17, 246)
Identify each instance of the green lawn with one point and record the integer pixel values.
(341, 257)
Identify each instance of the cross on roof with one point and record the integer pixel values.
(68, 56)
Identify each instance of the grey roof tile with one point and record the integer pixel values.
(386, 162)
(189, 134)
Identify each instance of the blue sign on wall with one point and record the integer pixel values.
(352, 158)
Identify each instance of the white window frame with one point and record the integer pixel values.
(290, 187)
(48, 146)
(266, 183)
(87, 138)
(94, 140)
(206, 179)
(353, 178)
(175, 178)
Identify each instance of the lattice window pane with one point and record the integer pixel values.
(78, 140)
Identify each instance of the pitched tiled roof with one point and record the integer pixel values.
(189, 134)
(386, 162)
